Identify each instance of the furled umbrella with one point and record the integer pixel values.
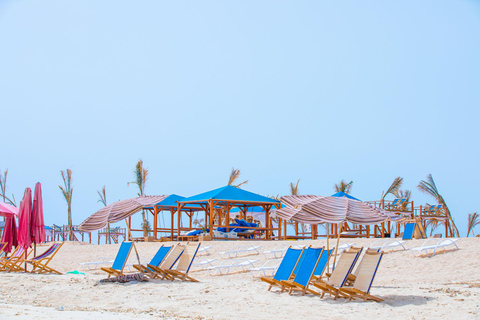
(9, 235)
(25, 220)
(38, 224)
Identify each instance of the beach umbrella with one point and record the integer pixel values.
(38, 224)
(7, 210)
(25, 220)
(10, 234)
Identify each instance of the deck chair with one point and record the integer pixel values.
(431, 249)
(383, 245)
(13, 262)
(226, 265)
(40, 262)
(167, 263)
(185, 263)
(367, 271)
(339, 276)
(286, 269)
(156, 260)
(2, 246)
(322, 264)
(305, 272)
(119, 264)
(413, 230)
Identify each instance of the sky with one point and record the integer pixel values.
(283, 90)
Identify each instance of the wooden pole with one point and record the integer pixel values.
(336, 248)
(133, 242)
(210, 218)
(172, 212)
(328, 248)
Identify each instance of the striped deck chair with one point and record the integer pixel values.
(2, 246)
(12, 263)
(287, 267)
(40, 262)
(339, 276)
(367, 270)
(305, 272)
(168, 262)
(120, 260)
(156, 260)
(185, 263)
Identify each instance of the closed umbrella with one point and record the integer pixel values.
(24, 220)
(7, 210)
(38, 224)
(10, 229)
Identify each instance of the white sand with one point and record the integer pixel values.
(445, 286)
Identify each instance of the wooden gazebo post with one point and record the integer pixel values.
(179, 217)
(155, 221)
(210, 214)
(172, 214)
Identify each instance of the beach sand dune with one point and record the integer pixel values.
(444, 286)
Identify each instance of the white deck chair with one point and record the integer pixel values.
(275, 253)
(235, 251)
(204, 263)
(383, 245)
(92, 265)
(225, 266)
(268, 269)
(204, 251)
(431, 249)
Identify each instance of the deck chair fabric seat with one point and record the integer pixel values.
(339, 276)
(120, 260)
(367, 271)
(322, 264)
(185, 263)
(13, 262)
(156, 260)
(305, 272)
(286, 268)
(40, 262)
(167, 263)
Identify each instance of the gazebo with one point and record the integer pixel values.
(226, 198)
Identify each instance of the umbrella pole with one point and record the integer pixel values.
(328, 248)
(133, 242)
(336, 248)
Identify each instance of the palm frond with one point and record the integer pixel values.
(140, 177)
(344, 187)
(394, 187)
(294, 188)
(103, 196)
(234, 175)
(473, 221)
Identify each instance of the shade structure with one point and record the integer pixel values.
(38, 225)
(7, 210)
(118, 211)
(25, 220)
(317, 209)
(343, 194)
(10, 234)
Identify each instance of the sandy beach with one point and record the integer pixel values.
(413, 288)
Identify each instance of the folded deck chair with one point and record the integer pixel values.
(167, 263)
(185, 263)
(40, 262)
(413, 230)
(13, 262)
(431, 249)
(156, 260)
(226, 265)
(339, 276)
(286, 268)
(383, 245)
(305, 272)
(367, 270)
(120, 260)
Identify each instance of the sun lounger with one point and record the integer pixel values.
(268, 267)
(203, 263)
(286, 268)
(226, 265)
(339, 276)
(167, 263)
(184, 263)
(235, 251)
(383, 245)
(40, 262)
(367, 271)
(305, 273)
(92, 265)
(13, 262)
(275, 253)
(204, 250)
(119, 263)
(431, 249)
(156, 260)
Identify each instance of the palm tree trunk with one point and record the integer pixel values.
(70, 229)
(145, 232)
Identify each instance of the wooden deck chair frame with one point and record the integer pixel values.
(185, 263)
(14, 263)
(148, 271)
(168, 263)
(292, 286)
(339, 275)
(317, 277)
(274, 282)
(41, 265)
(118, 272)
(365, 278)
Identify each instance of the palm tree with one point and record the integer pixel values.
(234, 175)
(344, 187)
(428, 186)
(473, 221)
(141, 177)
(67, 192)
(394, 187)
(103, 196)
(294, 188)
(3, 189)
(433, 224)
(403, 194)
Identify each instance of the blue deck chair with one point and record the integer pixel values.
(393, 205)
(120, 260)
(408, 231)
(322, 263)
(305, 272)
(156, 260)
(286, 268)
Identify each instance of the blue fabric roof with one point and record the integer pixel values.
(171, 201)
(230, 193)
(343, 194)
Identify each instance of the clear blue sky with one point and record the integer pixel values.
(316, 90)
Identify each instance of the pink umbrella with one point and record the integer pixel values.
(24, 220)
(38, 224)
(7, 210)
(10, 234)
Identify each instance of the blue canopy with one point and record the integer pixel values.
(343, 194)
(230, 194)
(171, 201)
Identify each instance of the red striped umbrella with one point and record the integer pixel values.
(118, 211)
